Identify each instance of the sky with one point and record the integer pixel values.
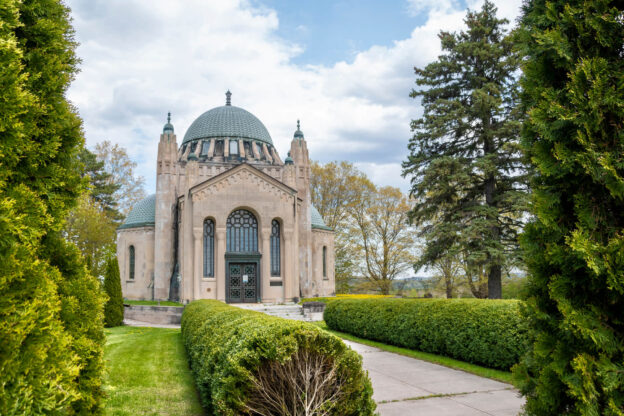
(344, 68)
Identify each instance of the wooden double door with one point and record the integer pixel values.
(243, 284)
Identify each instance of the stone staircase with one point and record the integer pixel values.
(286, 310)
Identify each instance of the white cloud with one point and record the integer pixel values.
(142, 59)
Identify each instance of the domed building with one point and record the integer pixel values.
(229, 219)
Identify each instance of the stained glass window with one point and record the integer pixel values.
(209, 248)
(131, 255)
(242, 232)
(275, 248)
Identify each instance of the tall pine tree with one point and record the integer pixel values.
(573, 91)
(50, 309)
(465, 164)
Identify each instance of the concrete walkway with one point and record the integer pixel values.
(404, 386)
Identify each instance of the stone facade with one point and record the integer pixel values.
(229, 220)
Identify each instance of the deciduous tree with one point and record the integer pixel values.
(386, 241)
(573, 92)
(91, 229)
(465, 165)
(117, 163)
(336, 188)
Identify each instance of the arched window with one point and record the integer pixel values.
(275, 248)
(242, 232)
(324, 262)
(209, 248)
(131, 268)
(233, 147)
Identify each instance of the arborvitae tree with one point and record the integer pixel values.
(50, 349)
(114, 309)
(573, 91)
(465, 163)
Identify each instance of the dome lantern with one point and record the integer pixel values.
(298, 133)
(168, 128)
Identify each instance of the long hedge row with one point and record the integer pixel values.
(245, 362)
(484, 332)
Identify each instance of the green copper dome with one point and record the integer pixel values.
(227, 121)
(317, 219)
(143, 214)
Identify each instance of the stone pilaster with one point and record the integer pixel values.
(288, 272)
(220, 263)
(197, 261)
(265, 276)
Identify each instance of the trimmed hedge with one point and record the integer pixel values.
(479, 331)
(343, 296)
(230, 349)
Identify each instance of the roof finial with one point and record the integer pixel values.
(228, 98)
(169, 117)
(298, 126)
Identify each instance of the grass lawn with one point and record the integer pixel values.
(504, 376)
(153, 302)
(147, 373)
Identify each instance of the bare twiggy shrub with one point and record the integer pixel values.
(308, 384)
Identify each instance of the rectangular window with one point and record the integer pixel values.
(131, 268)
(208, 248)
(275, 248)
(204, 148)
(233, 147)
(324, 262)
(219, 148)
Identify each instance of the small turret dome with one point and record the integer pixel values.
(288, 160)
(143, 214)
(168, 128)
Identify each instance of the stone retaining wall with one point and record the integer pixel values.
(154, 314)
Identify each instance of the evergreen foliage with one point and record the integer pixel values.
(244, 361)
(573, 91)
(50, 310)
(114, 309)
(484, 332)
(82, 304)
(102, 189)
(465, 163)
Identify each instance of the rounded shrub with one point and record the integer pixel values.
(479, 331)
(246, 362)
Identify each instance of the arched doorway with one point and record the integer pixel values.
(242, 259)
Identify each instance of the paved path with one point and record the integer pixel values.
(405, 386)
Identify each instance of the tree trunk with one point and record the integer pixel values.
(495, 290)
(449, 286)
